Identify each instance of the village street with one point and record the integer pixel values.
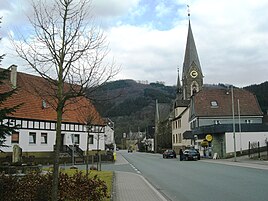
(196, 180)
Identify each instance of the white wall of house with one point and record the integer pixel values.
(243, 139)
(179, 126)
(109, 133)
(40, 146)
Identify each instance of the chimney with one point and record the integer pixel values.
(13, 76)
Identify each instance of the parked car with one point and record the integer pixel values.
(190, 154)
(169, 153)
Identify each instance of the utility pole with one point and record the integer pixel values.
(232, 92)
(239, 125)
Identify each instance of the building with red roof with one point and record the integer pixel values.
(36, 118)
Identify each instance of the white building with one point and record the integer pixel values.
(36, 120)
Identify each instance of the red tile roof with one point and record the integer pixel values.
(76, 110)
(249, 105)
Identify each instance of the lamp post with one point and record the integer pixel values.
(73, 150)
(98, 153)
(87, 156)
(232, 93)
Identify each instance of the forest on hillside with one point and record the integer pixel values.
(131, 105)
(261, 92)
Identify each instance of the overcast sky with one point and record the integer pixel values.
(147, 38)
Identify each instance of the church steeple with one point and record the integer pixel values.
(192, 76)
(191, 55)
(179, 88)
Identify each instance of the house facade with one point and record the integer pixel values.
(180, 124)
(217, 114)
(36, 120)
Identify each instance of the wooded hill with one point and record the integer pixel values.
(261, 92)
(131, 105)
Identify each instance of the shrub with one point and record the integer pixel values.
(34, 186)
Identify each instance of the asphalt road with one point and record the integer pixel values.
(197, 180)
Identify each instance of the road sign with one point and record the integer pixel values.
(209, 137)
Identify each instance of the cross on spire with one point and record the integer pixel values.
(188, 10)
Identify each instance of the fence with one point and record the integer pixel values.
(254, 150)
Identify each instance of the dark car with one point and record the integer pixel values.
(169, 154)
(190, 154)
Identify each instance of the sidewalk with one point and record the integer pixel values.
(133, 187)
(242, 161)
(129, 186)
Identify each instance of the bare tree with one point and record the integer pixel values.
(67, 50)
(88, 116)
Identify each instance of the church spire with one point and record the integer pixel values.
(192, 76)
(179, 87)
(190, 56)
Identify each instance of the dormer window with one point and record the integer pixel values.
(214, 104)
(44, 104)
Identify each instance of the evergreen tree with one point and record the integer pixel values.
(5, 128)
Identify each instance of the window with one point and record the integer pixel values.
(43, 138)
(76, 139)
(217, 122)
(32, 138)
(193, 124)
(248, 121)
(15, 137)
(179, 123)
(180, 138)
(90, 139)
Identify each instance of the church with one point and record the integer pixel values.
(208, 117)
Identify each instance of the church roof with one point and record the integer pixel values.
(190, 53)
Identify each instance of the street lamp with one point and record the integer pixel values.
(73, 150)
(88, 127)
(98, 152)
